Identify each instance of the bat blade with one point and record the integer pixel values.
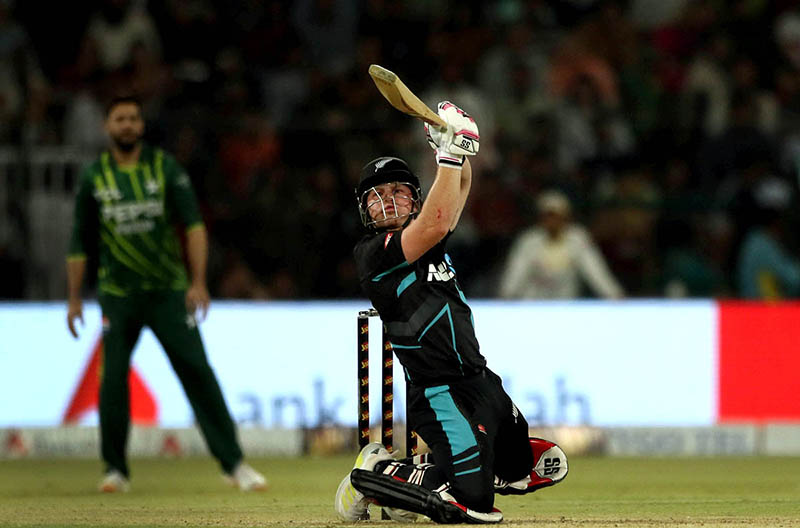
(400, 97)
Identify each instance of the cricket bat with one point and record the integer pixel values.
(400, 97)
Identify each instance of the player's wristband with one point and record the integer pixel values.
(445, 159)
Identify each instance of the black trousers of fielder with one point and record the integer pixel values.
(165, 313)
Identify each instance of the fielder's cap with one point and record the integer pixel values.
(385, 170)
(553, 201)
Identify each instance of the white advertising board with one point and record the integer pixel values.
(292, 364)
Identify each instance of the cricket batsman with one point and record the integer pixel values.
(478, 438)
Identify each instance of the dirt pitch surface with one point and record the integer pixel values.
(624, 492)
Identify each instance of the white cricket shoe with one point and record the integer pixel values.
(114, 482)
(246, 478)
(351, 504)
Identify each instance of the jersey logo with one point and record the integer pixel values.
(441, 273)
(107, 195)
(387, 239)
(151, 186)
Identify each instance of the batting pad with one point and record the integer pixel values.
(393, 493)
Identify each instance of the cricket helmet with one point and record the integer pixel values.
(382, 170)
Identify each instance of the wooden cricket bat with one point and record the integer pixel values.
(400, 97)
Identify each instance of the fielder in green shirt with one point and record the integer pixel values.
(128, 205)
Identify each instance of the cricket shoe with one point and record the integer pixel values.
(549, 468)
(351, 504)
(246, 478)
(114, 482)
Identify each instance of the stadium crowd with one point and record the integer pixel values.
(671, 125)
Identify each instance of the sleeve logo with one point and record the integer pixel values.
(440, 273)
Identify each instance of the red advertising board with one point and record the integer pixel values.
(759, 362)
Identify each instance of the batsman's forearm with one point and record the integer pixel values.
(76, 269)
(466, 184)
(197, 253)
(466, 177)
(441, 206)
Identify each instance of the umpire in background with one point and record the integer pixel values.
(127, 205)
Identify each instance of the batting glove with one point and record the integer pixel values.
(460, 139)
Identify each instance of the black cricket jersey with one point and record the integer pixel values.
(424, 312)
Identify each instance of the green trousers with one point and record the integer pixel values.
(165, 313)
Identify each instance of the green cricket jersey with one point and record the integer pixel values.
(128, 215)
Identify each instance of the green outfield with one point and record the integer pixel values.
(189, 492)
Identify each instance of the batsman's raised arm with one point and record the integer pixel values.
(448, 195)
(466, 184)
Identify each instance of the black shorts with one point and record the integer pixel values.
(475, 432)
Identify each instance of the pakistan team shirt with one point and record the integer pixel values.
(128, 215)
(425, 314)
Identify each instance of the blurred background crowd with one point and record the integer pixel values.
(671, 127)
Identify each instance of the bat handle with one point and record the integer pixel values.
(438, 122)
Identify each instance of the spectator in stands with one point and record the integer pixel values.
(513, 74)
(686, 271)
(239, 281)
(328, 30)
(83, 120)
(12, 249)
(766, 269)
(787, 36)
(549, 260)
(625, 212)
(745, 79)
(706, 90)
(24, 91)
(116, 28)
(747, 193)
(589, 129)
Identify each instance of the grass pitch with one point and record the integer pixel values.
(627, 492)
